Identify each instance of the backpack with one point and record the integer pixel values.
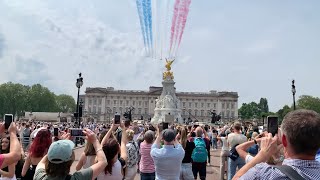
(199, 153)
(233, 153)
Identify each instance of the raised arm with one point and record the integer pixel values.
(98, 167)
(268, 148)
(124, 141)
(242, 148)
(107, 136)
(81, 162)
(15, 148)
(26, 166)
(159, 137)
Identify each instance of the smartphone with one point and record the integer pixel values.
(55, 131)
(272, 125)
(165, 126)
(117, 119)
(76, 132)
(8, 118)
(195, 126)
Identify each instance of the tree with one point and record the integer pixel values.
(65, 103)
(309, 102)
(282, 112)
(263, 105)
(13, 98)
(41, 99)
(248, 111)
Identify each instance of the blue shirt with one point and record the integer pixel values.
(308, 169)
(167, 161)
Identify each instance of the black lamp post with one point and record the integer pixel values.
(79, 83)
(293, 90)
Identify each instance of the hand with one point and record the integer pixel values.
(65, 136)
(90, 136)
(12, 128)
(268, 146)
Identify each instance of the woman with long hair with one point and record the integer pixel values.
(116, 154)
(37, 150)
(7, 173)
(87, 157)
(188, 146)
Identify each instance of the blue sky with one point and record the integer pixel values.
(253, 47)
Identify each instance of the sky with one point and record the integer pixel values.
(254, 48)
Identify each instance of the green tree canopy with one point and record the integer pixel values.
(252, 109)
(18, 98)
(283, 111)
(309, 102)
(65, 103)
(263, 105)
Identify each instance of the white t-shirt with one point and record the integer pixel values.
(224, 144)
(248, 158)
(234, 139)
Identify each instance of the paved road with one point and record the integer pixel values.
(212, 170)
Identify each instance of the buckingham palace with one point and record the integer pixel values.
(100, 104)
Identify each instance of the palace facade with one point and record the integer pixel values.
(100, 104)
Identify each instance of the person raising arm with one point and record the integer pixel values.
(15, 148)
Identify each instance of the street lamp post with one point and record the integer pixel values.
(293, 90)
(79, 83)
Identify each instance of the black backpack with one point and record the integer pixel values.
(233, 153)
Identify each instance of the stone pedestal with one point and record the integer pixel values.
(168, 103)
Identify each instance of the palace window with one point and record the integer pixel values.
(208, 105)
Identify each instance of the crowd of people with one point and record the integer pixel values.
(31, 150)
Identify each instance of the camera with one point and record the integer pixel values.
(116, 119)
(272, 127)
(76, 132)
(8, 118)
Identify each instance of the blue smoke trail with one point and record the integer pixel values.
(142, 24)
(145, 23)
(149, 24)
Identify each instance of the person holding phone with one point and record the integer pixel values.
(116, 154)
(168, 159)
(57, 163)
(299, 136)
(15, 148)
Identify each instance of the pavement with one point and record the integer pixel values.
(212, 169)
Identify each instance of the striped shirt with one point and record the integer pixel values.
(146, 161)
(308, 169)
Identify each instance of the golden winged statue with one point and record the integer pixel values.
(168, 73)
(168, 64)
